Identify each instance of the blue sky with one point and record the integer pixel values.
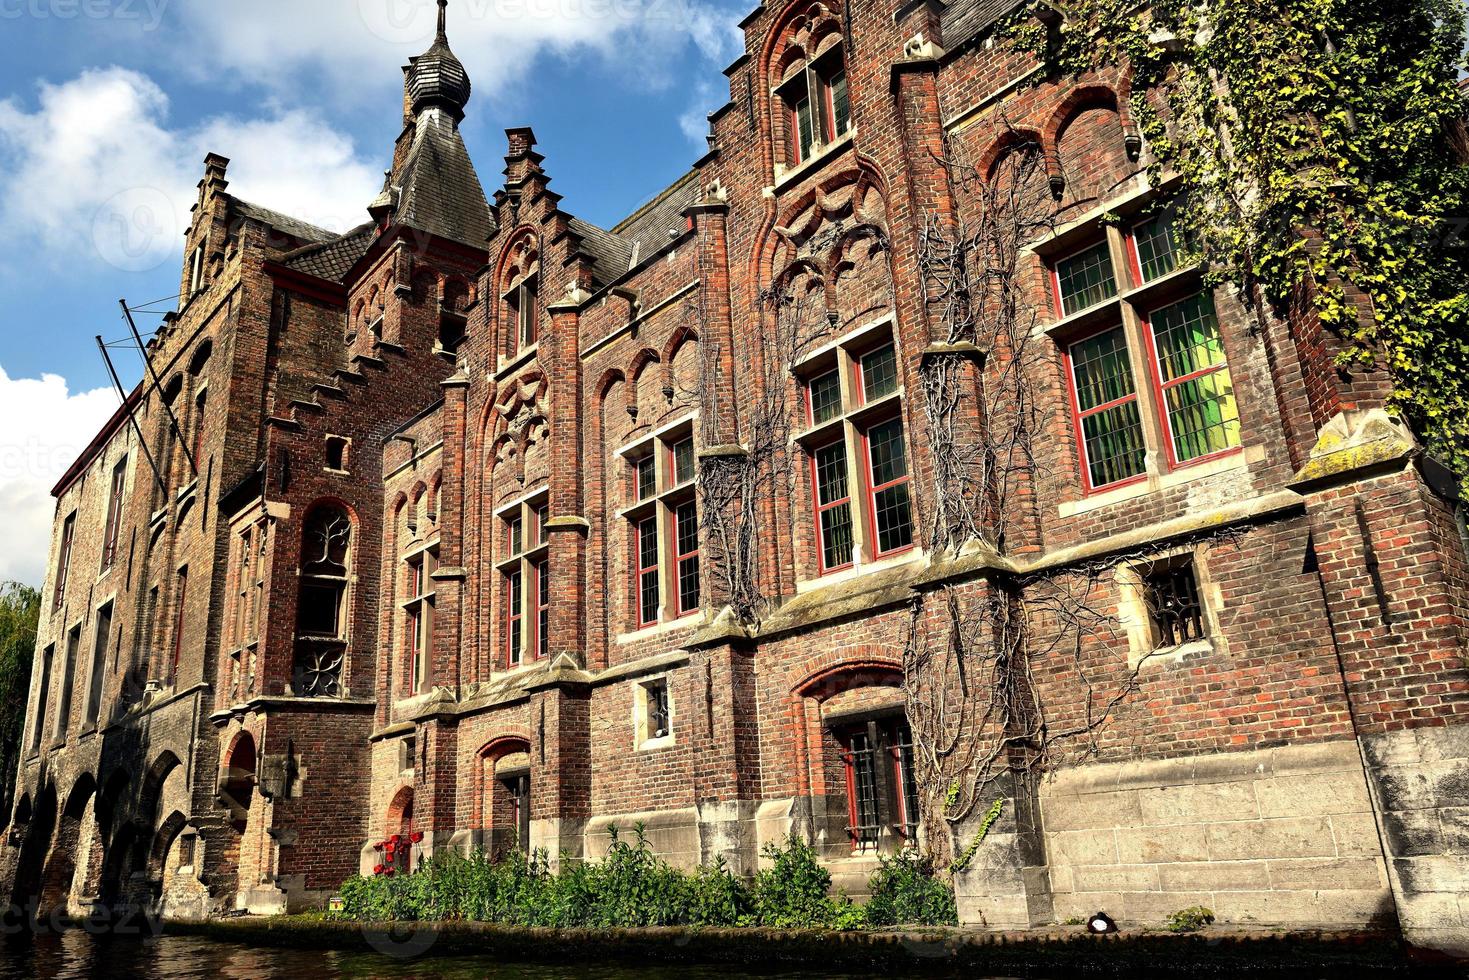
(107, 108)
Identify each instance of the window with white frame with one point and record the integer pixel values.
(418, 615)
(857, 453)
(663, 524)
(525, 574)
(654, 714)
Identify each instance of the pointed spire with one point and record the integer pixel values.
(437, 78)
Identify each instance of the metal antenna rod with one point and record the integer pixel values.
(142, 442)
(158, 387)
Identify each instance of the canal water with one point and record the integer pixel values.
(76, 954)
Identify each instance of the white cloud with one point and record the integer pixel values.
(47, 427)
(351, 47)
(96, 169)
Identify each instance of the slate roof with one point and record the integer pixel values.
(440, 192)
(285, 224)
(334, 259)
(611, 256)
(963, 19)
(647, 228)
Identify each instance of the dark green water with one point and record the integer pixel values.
(75, 954)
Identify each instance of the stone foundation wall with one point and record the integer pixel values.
(1282, 836)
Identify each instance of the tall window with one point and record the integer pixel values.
(63, 561)
(520, 293)
(43, 696)
(882, 790)
(196, 450)
(418, 616)
(181, 606)
(112, 530)
(321, 620)
(664, 525)
(858, 455)
(196, 270)
(96, 676)
(68, 681)
(1147, 372)
(816, 104)
(525, 570)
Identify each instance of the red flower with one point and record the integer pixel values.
(417, 837)
(389, 872)
(377, 869)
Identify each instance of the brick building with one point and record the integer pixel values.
(758, 512)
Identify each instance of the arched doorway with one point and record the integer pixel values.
(398, 832)
(60, 874)
(237, 784)
(505, 795)
(35, 848)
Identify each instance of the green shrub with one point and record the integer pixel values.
(905, 891)
(1191, 919)
(792, 892)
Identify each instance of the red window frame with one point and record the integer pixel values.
(871, 490)
(540, 626)
(1077, 415)
(680, 557)
(415, 648)
(821, 508)
(859, 378)
(811, 401)
(645, 526)
(514, 528)
(178, 621)
(63, 560)
(543, 516)
(514, 613)
(114, 514)
(1160, 389)
(637, 477)
(670, 447)
(1054, 268)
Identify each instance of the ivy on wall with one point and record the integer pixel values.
(1321, 143)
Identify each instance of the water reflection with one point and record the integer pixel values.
(76, 954)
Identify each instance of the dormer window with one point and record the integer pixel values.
(816, 105)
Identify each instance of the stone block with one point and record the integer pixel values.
(1282, 838)
(1355, 834)
(1116, 878)
(1084, 847)
(1322, 874)
(1091, 811)
(1214, 876)
(1312, 794)
(1294, 908)
(1154, 845)
(1205, 803)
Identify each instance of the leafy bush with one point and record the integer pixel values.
(792, 892)
(906, 891)
(1191, 919)
(634, 887)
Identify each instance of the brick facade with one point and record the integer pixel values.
(416, 546)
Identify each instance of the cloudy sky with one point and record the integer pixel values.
(107, 108)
